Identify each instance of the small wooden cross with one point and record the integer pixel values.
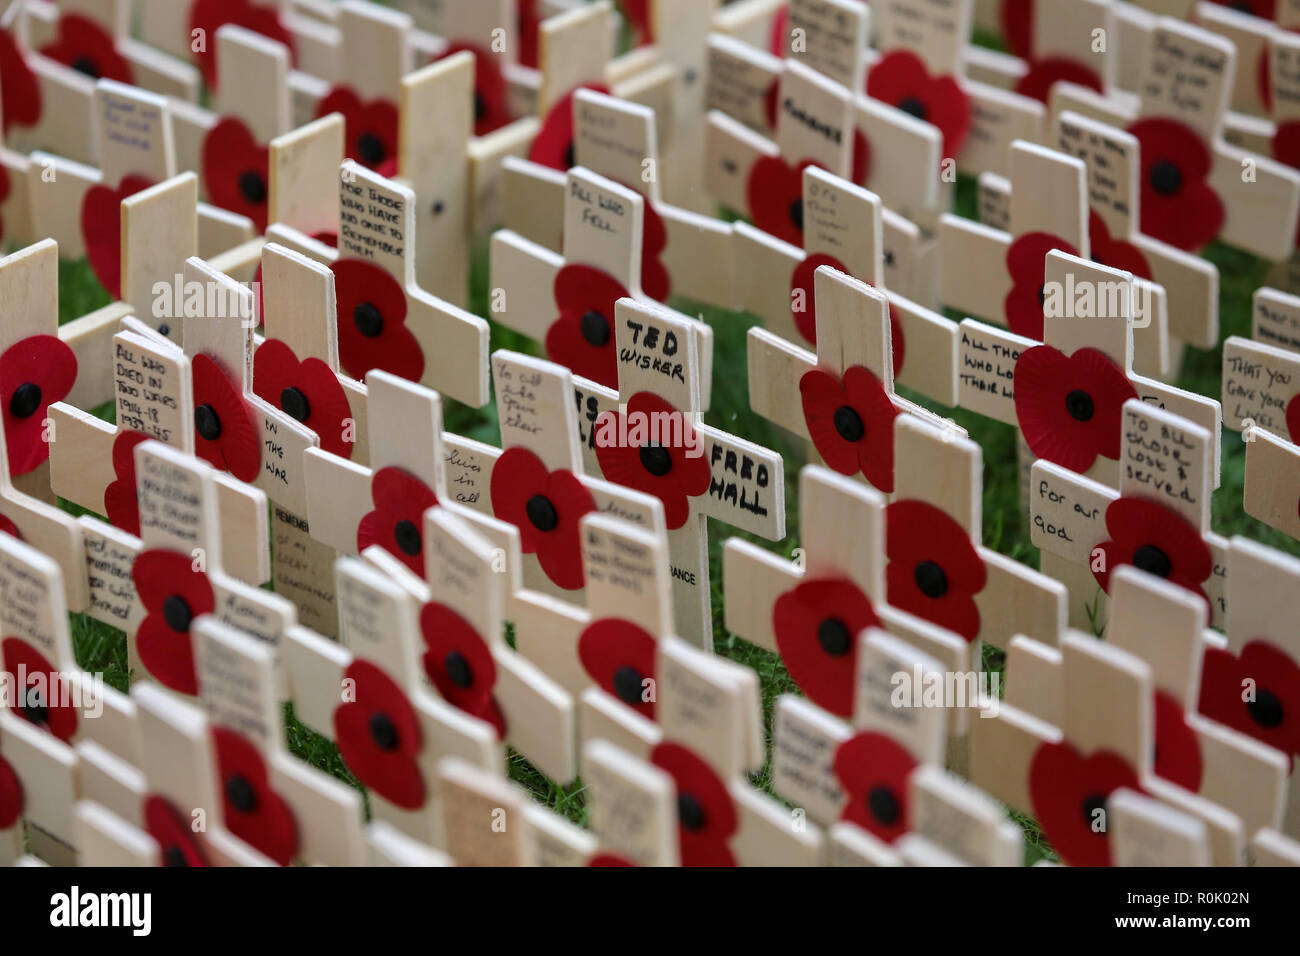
(1158, 520)
(697, 471)
(275, 802)
(1190, 173)
(371, 695)
(843, 231)
(567, 300)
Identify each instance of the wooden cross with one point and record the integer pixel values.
(811, 610)
(954, 821)
(681, 800)
(1165, 626)
(773, 116)
(371, 695)
(78, 42)
(1190, 173)
(682, 252)
(697, 471)
(275, 802)
(1147, 832)
(567, 300)
(843, 231)
(1066, 394)
(1060, 44)
(1190, 283)
(1158, 520)
(41, 783)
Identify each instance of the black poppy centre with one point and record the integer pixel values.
(25, 400)
(34, 707)
(834, 637)
(207, 422)
(174, 856)
(1152, 560)
(594, 327)
(368, 320)
(407, 536)
(627, 685)
(1079, 405)
(371, 149)
(915, 106)
(252, 187)
(1094, 804)
(884, 806)
(458, 669)
(690, 813)
(384, 732)
(1266, 709)
(295, 404)
(848, 424)
(86, 65)
(930, 579)
(656, 459)
(177, 613)
(541, 512)
(241, 794)
(796, 214)
(1166, 177)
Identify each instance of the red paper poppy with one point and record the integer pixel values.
(211, 15)
(370, 128)
(655, 280)
(546, 507)
(1293, 419)
(1257, 693)
(1115, 253)
(460, 664)
(1286, 143)
(805, 319)
(121, 501)
(5, 189)
(1154, 539)
(1265, 9)
(554, 145)
(582, 338)
(88, 48)
(34, 373)
(1178, 204)
(378, 736)
(817, 624)
(1071, 407)
(236, 170)
(1017, 20)
(530, 20)
(176, 843)
(39, 690)
(19, 89)
(934, 570)
(637, 15)
(308, 392)
(252, 810)
(101, 229)
(225, 429)
(1178, 750)
(8, 527)
(778, 40)
(1046, 73)
(706, 815)
(1027, 266)
(11, 795)
(774, 194)
(1067, 791)
(173, 595)
(609, 859)
(397, 523)
(372, 322)
(874, 771)
(900, 79)
(671, 472)
(491, 92)
(851, 423)
(620, 657)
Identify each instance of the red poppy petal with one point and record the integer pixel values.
(560, 550)
(175, 838)
(250, 808)
(823, 665)
(1046, 73)
(235, 447)
(867, 396)
(276, 369)
(84, 45)
(167, 655)
(620, 656)
(1066, 791)
(874, 771)
(458, 661)
(210, 15)
(11, 795)
(236, 170)
(43, 369)
(774, 193)
(18, 86)
(101, 229)
(1191, 214)
(58, 718)
(822, 395)
(366, 293)
(695, 779)
(1178, 752)
(804, 307)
